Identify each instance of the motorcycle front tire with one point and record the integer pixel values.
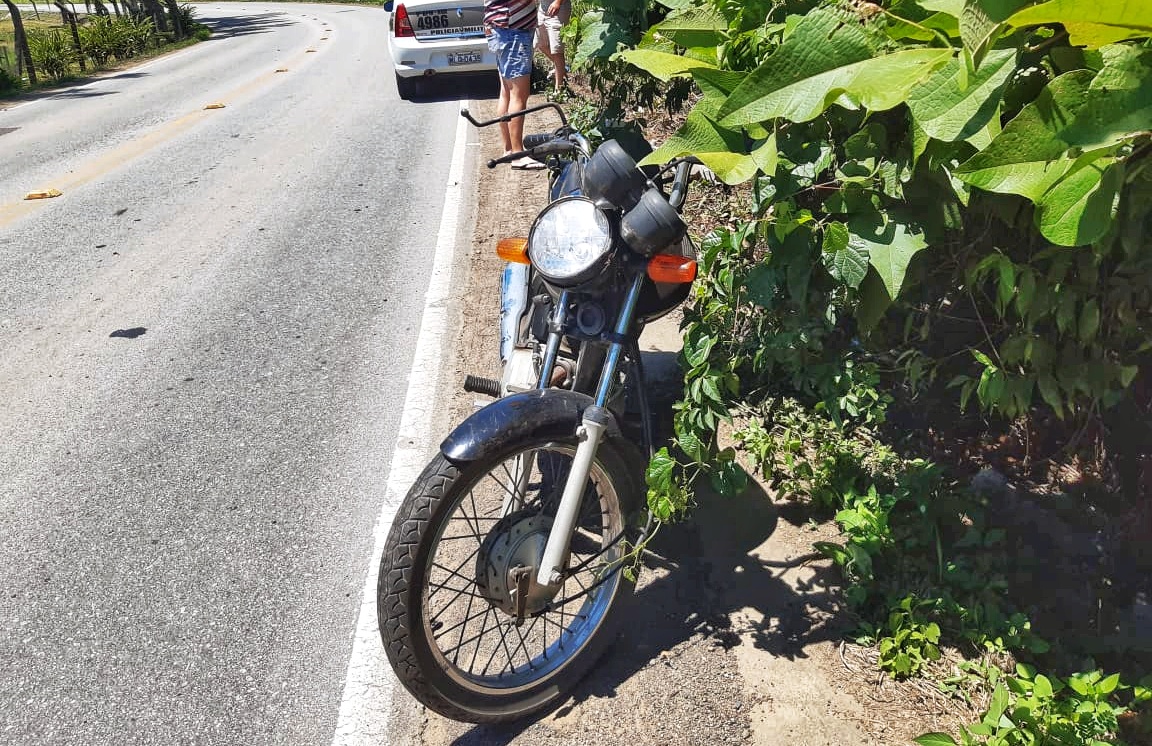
(412, 631)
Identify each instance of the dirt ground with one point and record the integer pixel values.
(735, 636)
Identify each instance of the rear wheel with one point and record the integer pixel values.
(464, 623)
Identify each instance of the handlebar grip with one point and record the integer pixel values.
(534, 141)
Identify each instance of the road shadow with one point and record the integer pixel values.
(456, 87)
(716, 576)
(228, 27)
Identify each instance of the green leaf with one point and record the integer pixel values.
(1028, 156)
(761, 284)
(827, 59)
(846, 260)
(1109, 684)
(935, 739)
(662, 65)
(1079, 685)
(1078, 111)
(874, 301)
(998, 704)
(693, 447)
(1090, 24)
(981, 24)
(766, 156)
(599, 39)
(728, 479)
(951, 7)
(697, 348)
(948, 111)
(1077, 210)
(1043, 687)
(660, 469)
(693, 27)
(889, 251)
(1118, 101)
(1025, 292)
(1050, 393)
(720, 148)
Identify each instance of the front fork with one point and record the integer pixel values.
(595, 422)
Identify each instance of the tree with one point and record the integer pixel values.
(70, 18)
(22, 49)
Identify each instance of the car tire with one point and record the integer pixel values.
(408, 87)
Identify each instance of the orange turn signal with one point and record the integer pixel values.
(513, 250)
(671, 268)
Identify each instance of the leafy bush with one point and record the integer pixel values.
(52, 50)
(1031, 708)
(106, 37)
(8, 81)
(916, 191)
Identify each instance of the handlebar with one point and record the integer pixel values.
(680, 179)
(532, 141)
(538, 146)
(509, 117)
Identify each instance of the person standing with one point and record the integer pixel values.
(510, 25)
(553, 16)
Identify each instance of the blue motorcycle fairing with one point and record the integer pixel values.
(537, 415)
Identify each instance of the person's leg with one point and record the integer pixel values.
(498, 47)
(550, 34)
(516, 75)
(518, 90)
(502, 109)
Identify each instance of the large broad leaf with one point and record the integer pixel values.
(1091, 23)
(827, 59)
(951, 7)
(845, 259)
(1027, 157)
(721, 149)
(599, 38)
(1119, 100)
(1078, 209)
(889, 250)
(1059, 149)
(981, 24)
(953, 105)
(716, 86)
(662, 65)
(693, 27)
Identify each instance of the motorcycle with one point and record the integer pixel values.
(503, 578)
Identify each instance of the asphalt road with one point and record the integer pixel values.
(205, 343)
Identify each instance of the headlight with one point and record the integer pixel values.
(570, 241)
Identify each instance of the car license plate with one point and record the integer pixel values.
(465, 58)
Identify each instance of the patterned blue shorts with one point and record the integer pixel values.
(513, 50)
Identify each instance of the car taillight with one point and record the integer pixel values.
(401, 24)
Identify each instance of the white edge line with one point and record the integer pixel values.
(365, 704)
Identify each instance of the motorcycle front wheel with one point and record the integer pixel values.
(466, 628)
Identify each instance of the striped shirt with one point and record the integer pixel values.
(514, 14)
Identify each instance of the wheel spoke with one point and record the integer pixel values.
(485, 531)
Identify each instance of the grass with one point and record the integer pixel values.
(8, 34)
(54, 20)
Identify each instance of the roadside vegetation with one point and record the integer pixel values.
(923, 311)
(48, 48)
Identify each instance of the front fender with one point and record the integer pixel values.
(540, 414)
